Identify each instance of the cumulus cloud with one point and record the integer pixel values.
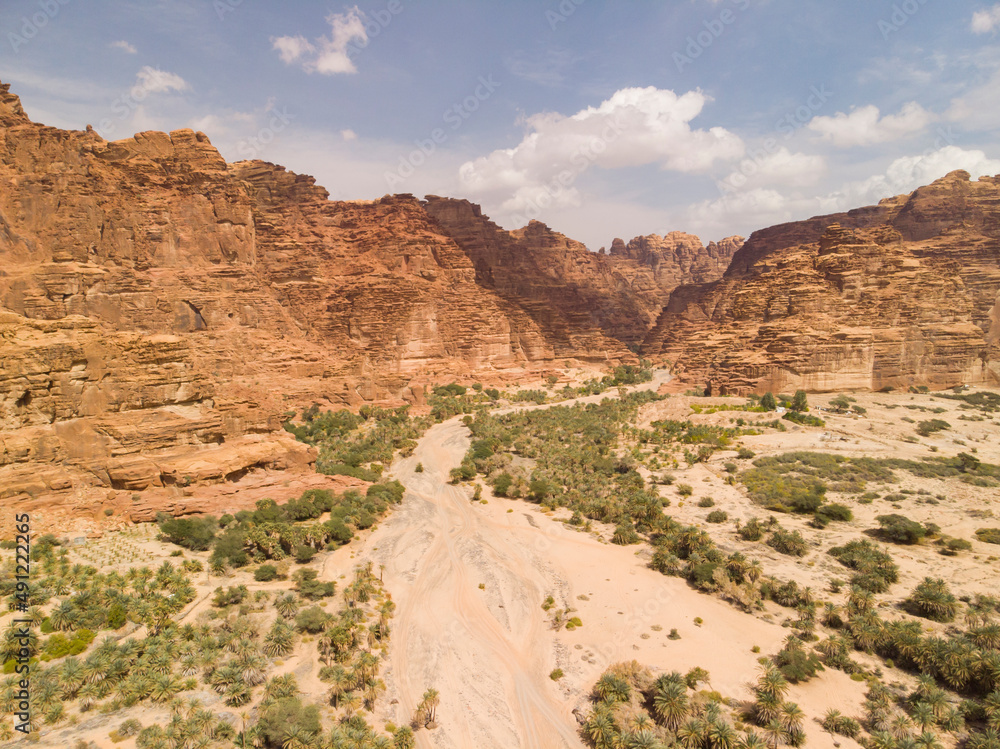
(327, 55)
(291, 48)
(124, 47)
(985, 21)
(348, 135)
(864, 126)
(780, 167)
(155, 81)
(635, 127)
(910, 172)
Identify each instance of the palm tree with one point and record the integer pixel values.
(928, 740)
(900, 726)
(670, 704)
(774, 733)
(431, 699)
(923, 715)
(791, 717)
(691, 734)
(600, 728)
(721, 735)
(752, 740)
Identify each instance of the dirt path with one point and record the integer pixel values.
(489, 651)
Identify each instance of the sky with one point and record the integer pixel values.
(602, 119)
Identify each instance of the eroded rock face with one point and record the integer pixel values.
(162, 309)
(903, 293)
(675, 259)
(585, 304)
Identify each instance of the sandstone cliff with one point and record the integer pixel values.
(161, 309)
(903, 293)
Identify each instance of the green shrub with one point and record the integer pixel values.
(685, 490)
(196, 534)
(768, 403)
(876, 570)
(717, 516)
(312, 619)
(265, 573)
(931, 599)
(900, 529)
(833, 512)
(988, 535)
(795, 664)
(752, 530)
(304, 554)
(804, 419)
(788, 542)
(927, 428)
(706, 502)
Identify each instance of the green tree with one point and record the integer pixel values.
(768, 403)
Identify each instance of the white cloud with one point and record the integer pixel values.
(635, 127)
(291, 48)
(910, 172)
(979, 107)
(124, 47)
(781, 167)
(985, 21)
(758, 207)
(348, 135)
(328, 55)
(155, 81)
(864, 126)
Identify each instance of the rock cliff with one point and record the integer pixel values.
(903, 293)
(161, 309)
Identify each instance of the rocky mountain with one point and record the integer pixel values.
(160, 310)
(903, 293)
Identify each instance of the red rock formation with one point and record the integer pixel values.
(901, 293)
(162, 309)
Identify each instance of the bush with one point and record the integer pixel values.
(768, 403)
(795, 664)
(799, 401)
(876, 570)
(745, 453)
(827, 514)
(419, 468)
(752, 530)
(287, 717)
(265, 573)
(900, 529)
(788, 542)
(501, 484)
(931, 599)
(988, 535)
(685, 490)
(312, 619)
(706, 502)
(843, 725)
(805, 419)
(927, 428)
(556, 674)
(304, 554)
(717, 516)
(230, 596)
(191, 533)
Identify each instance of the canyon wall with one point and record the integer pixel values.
(899, 294)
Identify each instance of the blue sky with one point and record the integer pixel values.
(603, 119)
